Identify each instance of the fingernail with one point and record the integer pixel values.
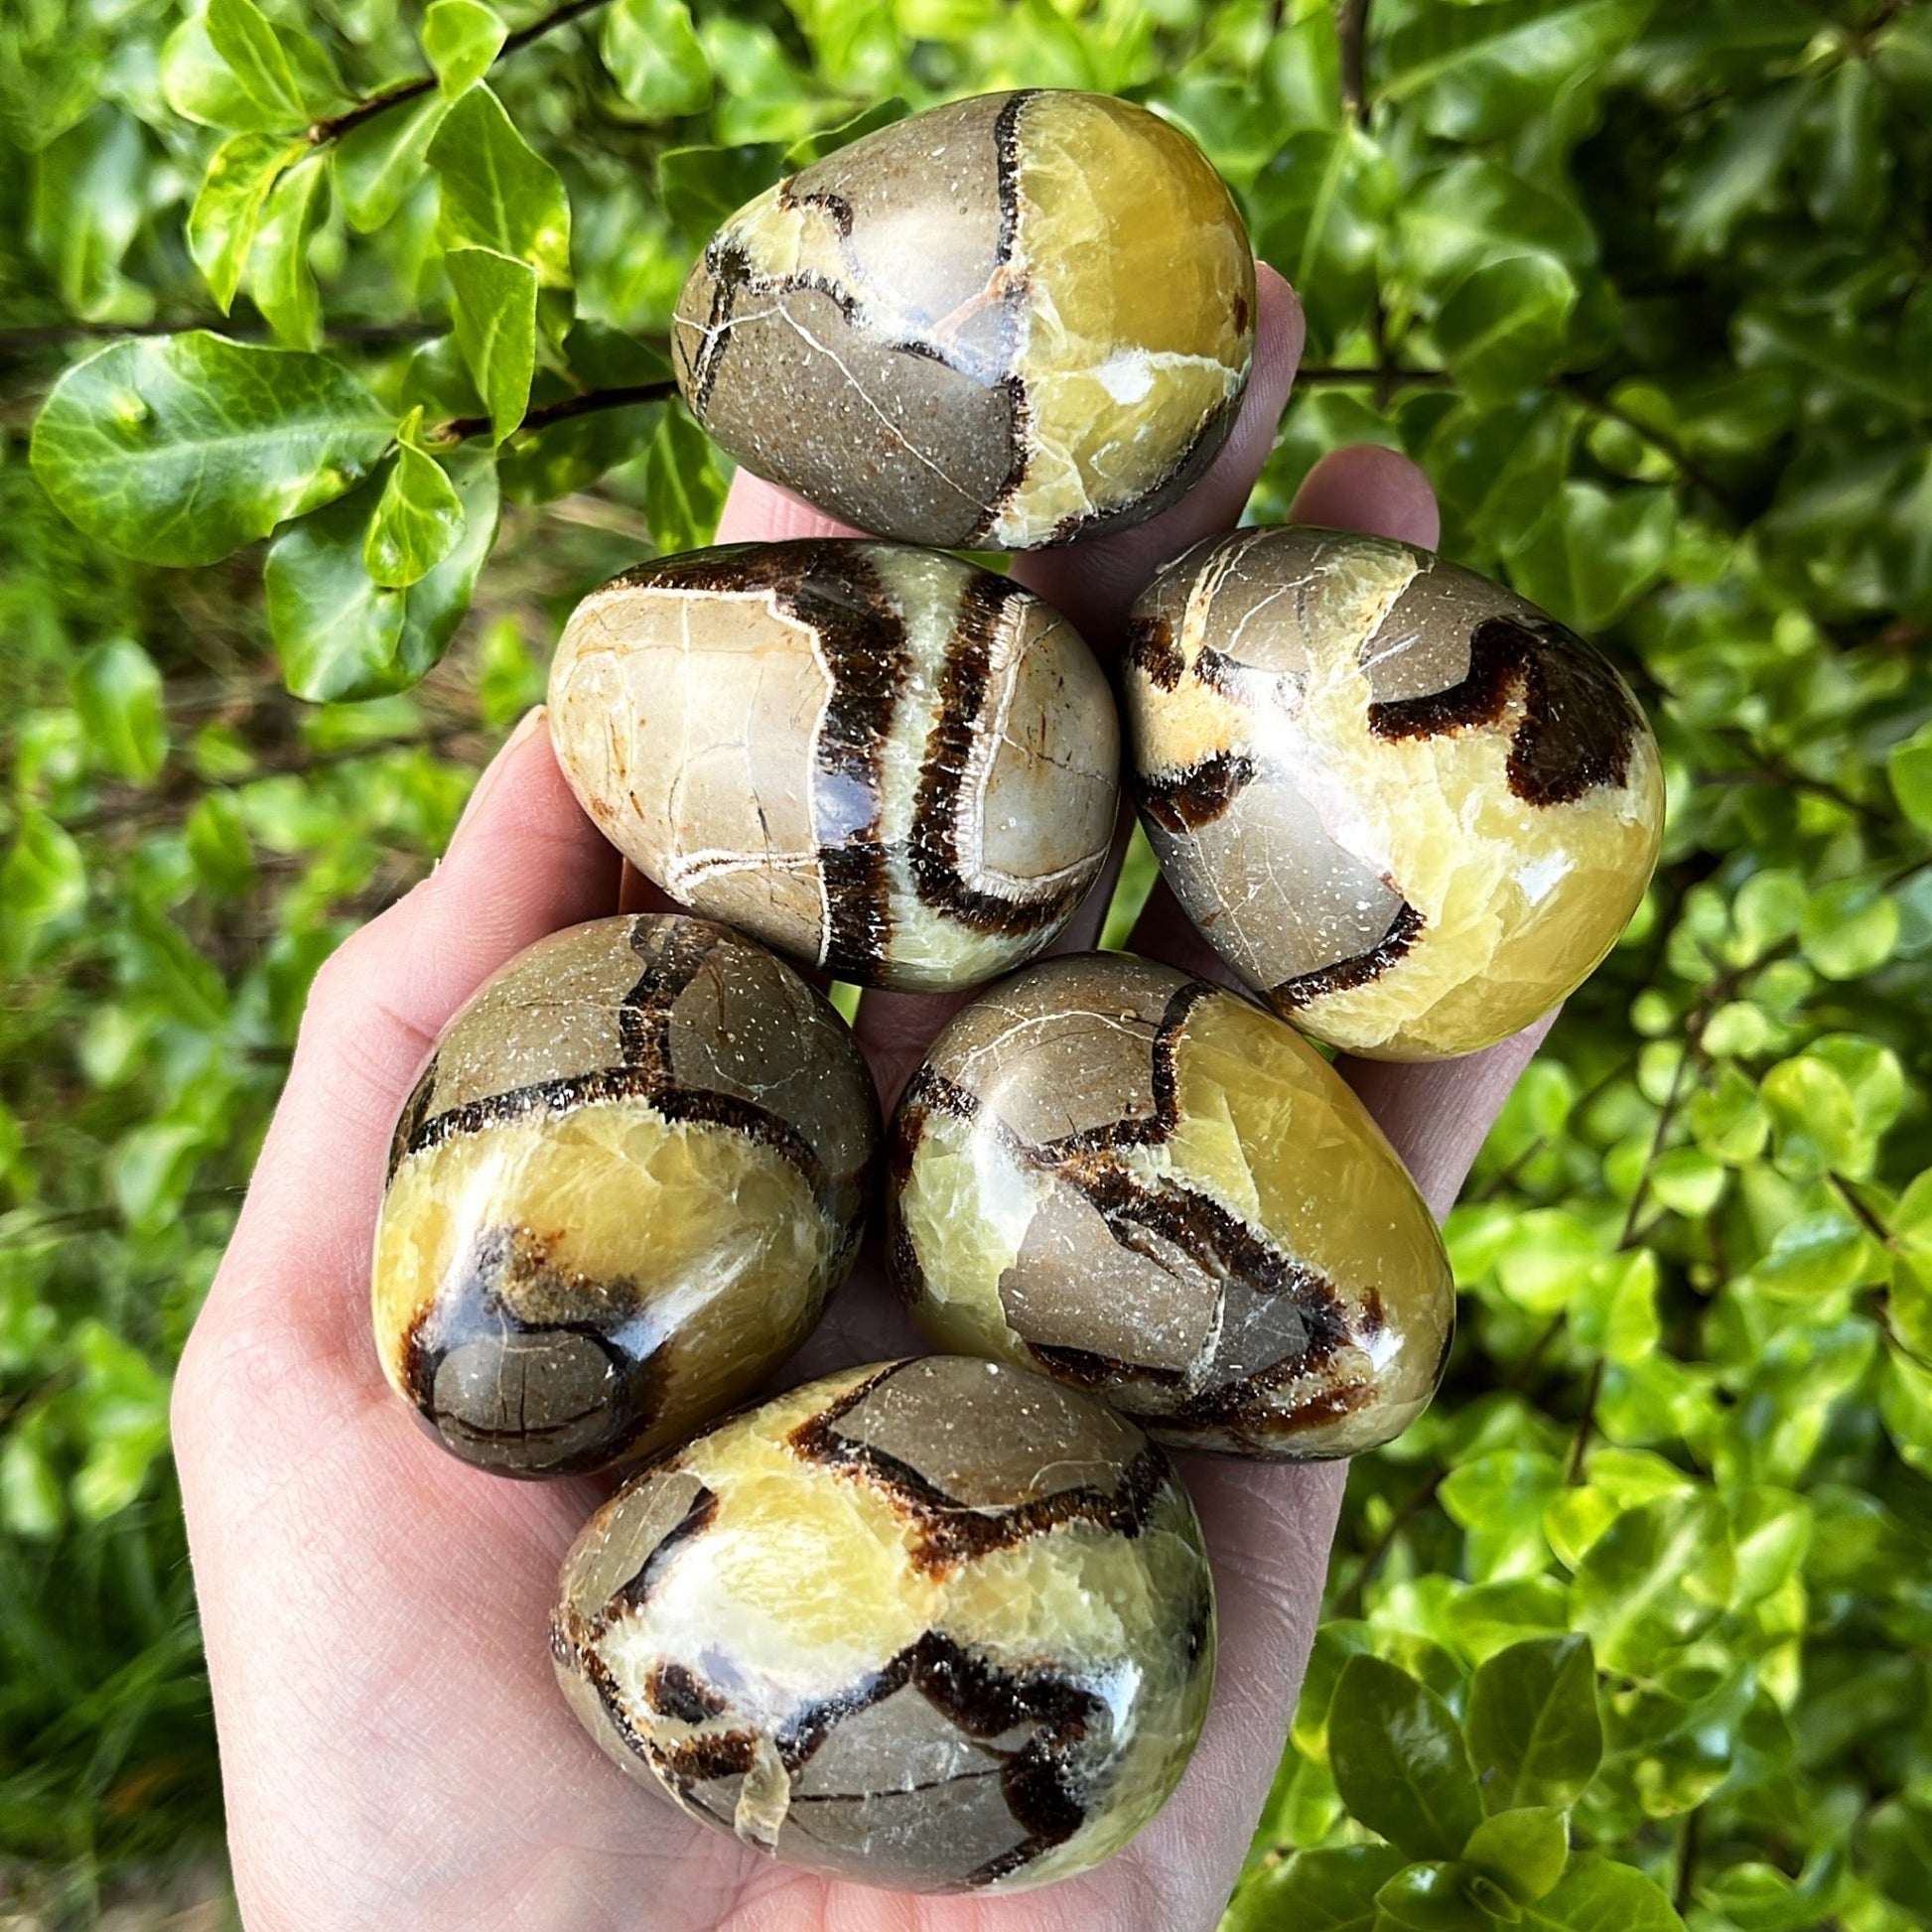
(527, 727)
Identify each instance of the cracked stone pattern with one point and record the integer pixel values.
(1404, 804)
(1149, 1188)
(1000, 324)
(623, 1187)
(937, 1625)
(883, 760)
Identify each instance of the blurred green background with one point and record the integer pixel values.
(1645, 288)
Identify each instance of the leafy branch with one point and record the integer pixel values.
(333, 127)
(547, 415)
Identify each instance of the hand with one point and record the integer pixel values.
(394, 1750)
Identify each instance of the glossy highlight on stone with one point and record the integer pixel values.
(621, 1191)
(1146, 1186)
(998, 325)
(883, 760)
(935, 1624)
(1406, 806)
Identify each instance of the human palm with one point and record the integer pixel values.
(394, 1751)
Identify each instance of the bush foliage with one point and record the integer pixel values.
(1647, 289)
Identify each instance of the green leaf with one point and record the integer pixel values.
(1910, 768)
(89, 199)
(1893, 1843)
(1475, 211)
(254, 55)
(1596, 553)
(829, 140)
(1655, 1578)
(228, 207)
(42, 885)
(1813, 1117)
(1484, 71)
(1329, 1890)
(684, 494)
(419, 519)
(1598, 1897)
(279, 276)
(1499, 1499)
(1905, 1404)
(1497, 470)
(180, 449)
(460, 40)
(656, 59)
(1503, 328)
(1534, 1729)
(1399, 1761)
(1719, 182)
(1849, 929)
(1320, 209)
(499, 193)
(495, 315)
(199, 85)
(700, 187)
(1432, 1897)
(341, 635)
(376, 166)
(117, 693)
(1523, 1850)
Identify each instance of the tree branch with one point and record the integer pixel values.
(1352, 45)
(335, 126)
(1668, 447)
(457, 428)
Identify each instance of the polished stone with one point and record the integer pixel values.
(883, 760)
(621, 1192)
(1404, 804)
(937, 1625)
(1000, 324)
(1149, 1188)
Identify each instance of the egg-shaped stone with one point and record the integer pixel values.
(883, 760)
(1146, 1186)
(937, 1625)
(627, 1180)
(997, 325)
(1408, 807)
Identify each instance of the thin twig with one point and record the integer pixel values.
(1352, 45)
(545, 414)
(335, 126)
(1666, 446)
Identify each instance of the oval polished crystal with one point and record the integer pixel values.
(621, 1192)
(881, 760)
(995, 326)
(1404, 804)
(1145, 1186)
(935, 1624)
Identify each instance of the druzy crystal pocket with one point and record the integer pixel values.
(1145, 1186)
(1406, 806)
(621, 1192)
(937, 1624)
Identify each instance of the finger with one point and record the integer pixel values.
(1094, 582)
(756, 511)
(1438, 1115)
(524, 861)
(1369, 488)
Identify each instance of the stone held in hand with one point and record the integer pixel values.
(1002, 323)
(937, 1625)
(1146, 1186)
(1408, 807)
(881, 760)
(624, 1185)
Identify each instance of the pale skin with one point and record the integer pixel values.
(394, 1750)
